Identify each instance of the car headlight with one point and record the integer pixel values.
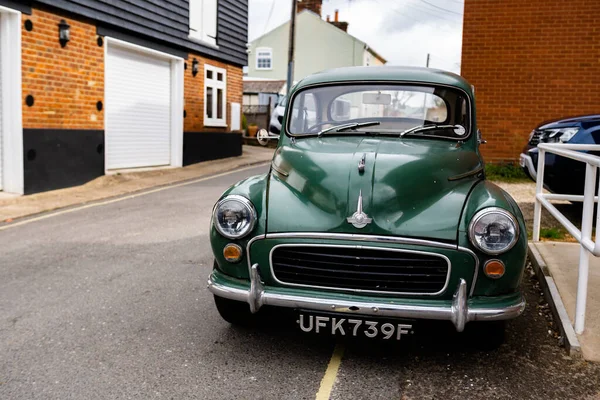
(493, 230)
(234, 217)
(561, 135)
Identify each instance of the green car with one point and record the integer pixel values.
(375, 213)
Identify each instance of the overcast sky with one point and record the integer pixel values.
(402, 31)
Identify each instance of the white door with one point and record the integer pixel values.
(138, 109)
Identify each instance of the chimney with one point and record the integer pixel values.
(337, 23)
(311, 5)
(328, 18)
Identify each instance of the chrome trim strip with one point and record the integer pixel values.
(360, 290)
(476, 274)
(466, 174)
(458, 313)
(250, 242)
(361, 238)
(279, 170)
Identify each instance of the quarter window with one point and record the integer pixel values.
(264, 58)
(203, 21)
(215, 96)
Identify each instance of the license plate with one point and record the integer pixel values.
(354, 326)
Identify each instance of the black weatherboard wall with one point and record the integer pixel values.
(205, 146)
(167, 21)
(59, 158)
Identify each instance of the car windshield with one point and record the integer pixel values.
(380, 109)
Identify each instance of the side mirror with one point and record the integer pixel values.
(480, 140)
(263, 137)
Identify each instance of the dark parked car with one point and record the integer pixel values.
(562, 175)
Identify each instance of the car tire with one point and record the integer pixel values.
(486, 335)
(234, 312)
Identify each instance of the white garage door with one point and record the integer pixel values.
(138, 109)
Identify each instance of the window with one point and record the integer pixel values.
(203, 21)
(215, 96)
(391, 108)
(264, 58)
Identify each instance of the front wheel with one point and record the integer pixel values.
(234, 312)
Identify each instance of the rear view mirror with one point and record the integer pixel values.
(263, 137)
(377, 98)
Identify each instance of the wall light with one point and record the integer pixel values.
(195, 67)
(64, 33)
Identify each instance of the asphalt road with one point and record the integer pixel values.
(110, 302)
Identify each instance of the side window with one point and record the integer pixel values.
(203, 20)
(215, 96)
(264, 58)
(304, 113)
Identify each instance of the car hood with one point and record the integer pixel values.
(410, 187)
(570, 121)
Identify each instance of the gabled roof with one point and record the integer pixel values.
(308, 12)
(263, 86)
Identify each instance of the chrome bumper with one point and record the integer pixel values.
(459, 312)
(526, 162)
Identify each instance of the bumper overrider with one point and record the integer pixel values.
(460, 310)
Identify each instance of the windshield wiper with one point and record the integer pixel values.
(343, 127)
(423, 128)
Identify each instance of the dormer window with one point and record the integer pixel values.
(203, 21)
(264, 58)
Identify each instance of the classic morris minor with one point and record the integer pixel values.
(375, 212)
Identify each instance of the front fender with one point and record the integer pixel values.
(255, 190)
(484, 195)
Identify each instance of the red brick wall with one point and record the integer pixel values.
(194, 93)
(530, 61)
(66, 83)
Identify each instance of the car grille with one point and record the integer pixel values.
(535, 139)
(360, 269)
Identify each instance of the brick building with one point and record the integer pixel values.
(529, 61)
(87, 87)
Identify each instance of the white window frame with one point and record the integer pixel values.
(197, 26)
(12, 120)
(264, 50)
(215, 84)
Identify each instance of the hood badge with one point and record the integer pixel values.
(359, 219)
(361, 163)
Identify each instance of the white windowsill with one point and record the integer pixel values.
(203, 42)
(216, 124)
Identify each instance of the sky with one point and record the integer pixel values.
(402, 31)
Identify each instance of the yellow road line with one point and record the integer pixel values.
(131, 196)
(331, 373)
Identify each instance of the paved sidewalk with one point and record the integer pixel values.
(119, 184)
(562, 261)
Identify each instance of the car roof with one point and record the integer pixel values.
(387, 74)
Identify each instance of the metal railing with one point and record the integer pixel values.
(583, 236)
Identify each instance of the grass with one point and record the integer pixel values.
(505, 173)
(552, 233)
